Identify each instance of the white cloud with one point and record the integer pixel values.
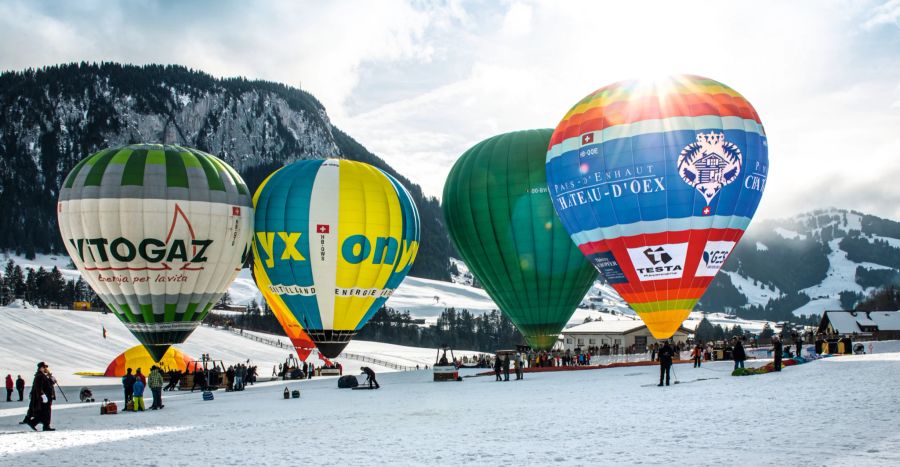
(419, 83)
(888, 13)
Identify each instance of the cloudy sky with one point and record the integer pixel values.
(420, 82)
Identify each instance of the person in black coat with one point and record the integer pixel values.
(42, 396)
(128, 384)
(777, 350)
(506, 368)
(665, 362)
(20, 387)
(738, 353)
(498, 365)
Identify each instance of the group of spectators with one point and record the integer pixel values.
(502, 363)
(290, 370)
(135, 384)
(238, 376)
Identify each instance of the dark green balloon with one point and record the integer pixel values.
(500, 216)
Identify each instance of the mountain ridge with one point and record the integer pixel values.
(53, 117)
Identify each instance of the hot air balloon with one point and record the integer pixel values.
(501, 219)
(333, 239)
(159, 232)
(656, 181)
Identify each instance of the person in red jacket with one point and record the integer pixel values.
(140, 376)
(9, 388)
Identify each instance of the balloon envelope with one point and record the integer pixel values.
(159, 232)
(333, 239)
(656, 182)
(138, 357)
(502, 222)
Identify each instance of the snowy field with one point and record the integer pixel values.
(801, 416)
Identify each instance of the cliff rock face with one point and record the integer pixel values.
(53, 117)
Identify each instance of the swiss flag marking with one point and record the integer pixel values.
(235, 210)
(706, 211)
(323, 228)
(587, 139)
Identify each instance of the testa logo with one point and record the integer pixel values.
(657, 255)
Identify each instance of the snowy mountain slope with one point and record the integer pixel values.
(72, 341)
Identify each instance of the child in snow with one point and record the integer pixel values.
(138, 396)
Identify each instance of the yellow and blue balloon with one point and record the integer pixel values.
(333, 239)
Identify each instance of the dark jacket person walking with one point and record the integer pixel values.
(42, 396)
(665, 363)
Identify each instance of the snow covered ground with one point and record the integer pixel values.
(803, 415)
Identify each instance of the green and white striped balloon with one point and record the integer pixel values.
(159, 232)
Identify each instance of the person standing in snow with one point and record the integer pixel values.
(140, 376)
(138, 396)
(9, 388)
(156, 383)
(506, 368)
(665, 362)
(777, 349)
(498, 365)
(696, 355)
(370, 377)
(738, 353)
(128, 385)
(42, 396)
(20, 387)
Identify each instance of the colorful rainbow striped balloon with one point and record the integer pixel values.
(656, 181)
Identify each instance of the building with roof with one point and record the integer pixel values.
(880, 325)
(625, 333)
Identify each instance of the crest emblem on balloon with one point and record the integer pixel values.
(709, 164)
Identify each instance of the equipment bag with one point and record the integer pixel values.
(208, 395)
(295, 393)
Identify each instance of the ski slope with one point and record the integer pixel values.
(837, 411)
(72, 341)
